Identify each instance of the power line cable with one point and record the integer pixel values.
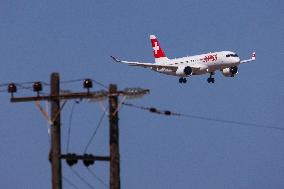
(77, 80)
(170, 113)
(101, 84)
(70, 125)
(22, 84)
(95, 132)
(70, 183)
(72, 81)
(82, 179)
(98, 178)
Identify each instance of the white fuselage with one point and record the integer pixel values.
(206, 63)
(225, 61)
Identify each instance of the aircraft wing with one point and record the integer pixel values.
(151, 65)
(141, 64)
(253, 57)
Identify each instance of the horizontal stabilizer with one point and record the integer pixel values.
(115, 59)
(253, 57)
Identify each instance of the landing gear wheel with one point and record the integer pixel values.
(210, 80)
(182, 80)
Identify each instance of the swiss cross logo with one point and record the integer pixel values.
(156, 48)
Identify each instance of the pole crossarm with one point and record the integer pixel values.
(84, 157)
(99, 95)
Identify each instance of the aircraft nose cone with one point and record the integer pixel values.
(238, 60)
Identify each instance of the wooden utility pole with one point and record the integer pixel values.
(114, 138)
(54, 98)
(55, 151)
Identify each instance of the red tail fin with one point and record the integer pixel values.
(157, 49)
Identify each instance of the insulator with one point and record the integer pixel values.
(12, 88)
(167, 112)
(37, 86)
(153, 110)
(88, 83)
(71, 159)
(88, 160)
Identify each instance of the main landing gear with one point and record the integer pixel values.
(211, 79)
(182, 80)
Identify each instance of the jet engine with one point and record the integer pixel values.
(230, 72)
(184, 70)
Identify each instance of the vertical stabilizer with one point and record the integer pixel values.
(158, 52)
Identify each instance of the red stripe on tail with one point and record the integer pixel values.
(157, 50)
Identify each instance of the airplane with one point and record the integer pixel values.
(225, 61)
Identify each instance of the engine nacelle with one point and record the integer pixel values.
(230, 72)
(184, 70)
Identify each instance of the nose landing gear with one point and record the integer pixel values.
(211, 79)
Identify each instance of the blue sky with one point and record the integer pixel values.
(76, 38)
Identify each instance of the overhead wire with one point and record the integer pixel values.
(70, 125)
(70, 182)
(98, 178)
(77, 80)
(95, 131)
(71, 81)
(82, 178)
(89, 142)
(3, 90)
(99, 83)
(22, 85)
(170, 113)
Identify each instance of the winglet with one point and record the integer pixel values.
(115, 59)
(253, 57)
